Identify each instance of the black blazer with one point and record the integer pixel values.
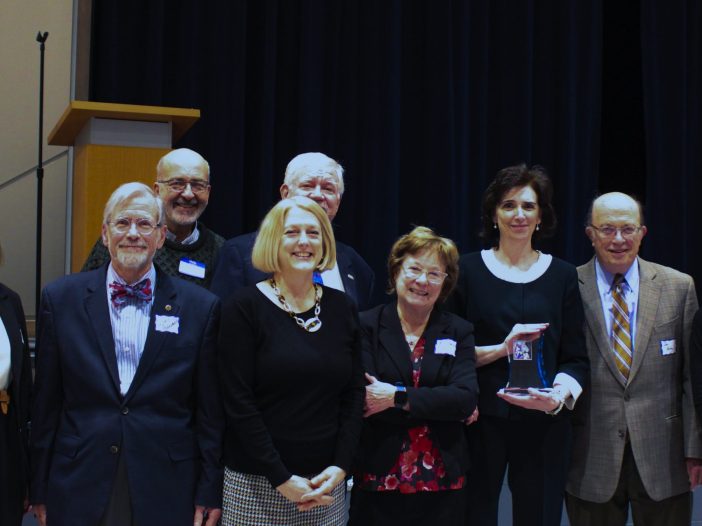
(447, 392)
(234, 270)
(12, 316)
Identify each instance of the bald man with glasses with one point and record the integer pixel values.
(637, 442)
(190, 249)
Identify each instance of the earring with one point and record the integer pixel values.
(494, 225)
(538, 226)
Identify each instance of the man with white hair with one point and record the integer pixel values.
(127, 421)
(190, 249)
(320, 178)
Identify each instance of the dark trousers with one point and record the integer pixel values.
(534, 454)
(673, 511)
(119, 509)
(389, 508)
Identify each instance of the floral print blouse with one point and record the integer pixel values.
(419, 466)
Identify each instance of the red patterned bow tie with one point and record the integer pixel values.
(121, 292)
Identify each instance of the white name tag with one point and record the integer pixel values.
(445, 346)
(167, 323)
(193, 268)
(667, 347)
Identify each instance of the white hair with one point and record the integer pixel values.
(312, 162)
(127, 192)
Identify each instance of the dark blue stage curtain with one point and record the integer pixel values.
(422, 101)
(671, 43)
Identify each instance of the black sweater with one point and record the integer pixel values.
(293, 399)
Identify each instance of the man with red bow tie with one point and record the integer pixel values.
(127, 421)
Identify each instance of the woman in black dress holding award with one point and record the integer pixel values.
(521, 301)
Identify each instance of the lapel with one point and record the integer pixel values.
(392, 341)
(164, 305)
(431, 362)
(14, 335)
(346, 271)
(594, 316)
(646, 309)
(98, 313)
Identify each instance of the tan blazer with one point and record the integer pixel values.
(654, 409)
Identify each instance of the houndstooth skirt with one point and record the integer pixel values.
(250, 500)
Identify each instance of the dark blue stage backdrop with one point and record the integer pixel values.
(422, 102)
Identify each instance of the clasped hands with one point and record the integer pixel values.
(310, 493)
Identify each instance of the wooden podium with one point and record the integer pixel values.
(113, 144)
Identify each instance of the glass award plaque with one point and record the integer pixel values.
(526, 367)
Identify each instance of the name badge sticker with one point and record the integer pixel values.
(445, 346)
(167, 323)
(193, 268)
(667, 347)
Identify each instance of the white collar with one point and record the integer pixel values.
(605, 278)
(496, 267)
(113, 276)
(192, 238)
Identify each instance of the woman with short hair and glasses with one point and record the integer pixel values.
(420, 369)
(292, 383)
(514, 294)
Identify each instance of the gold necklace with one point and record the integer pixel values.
(311, 325)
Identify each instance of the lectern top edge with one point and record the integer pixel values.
(79, 112)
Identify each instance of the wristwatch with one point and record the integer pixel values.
(400, 396)
(557, 409)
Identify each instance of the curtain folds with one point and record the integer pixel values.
(421, 101)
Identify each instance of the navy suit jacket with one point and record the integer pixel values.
(234, 270)
(446, 396)
(168, 426)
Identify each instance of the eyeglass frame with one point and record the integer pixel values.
(414, 275)
(134, 221)
(617, 229)
(170, 182)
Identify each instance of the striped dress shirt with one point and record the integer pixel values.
(130, 325)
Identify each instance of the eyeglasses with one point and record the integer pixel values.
(124, 225)
(434, 277)
(626, 231)
(179, 185)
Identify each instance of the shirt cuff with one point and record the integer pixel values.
(572, 384)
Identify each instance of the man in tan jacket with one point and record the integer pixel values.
(636, 438)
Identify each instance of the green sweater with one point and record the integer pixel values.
(168, 257)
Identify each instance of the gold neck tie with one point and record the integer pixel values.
(621, 328)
